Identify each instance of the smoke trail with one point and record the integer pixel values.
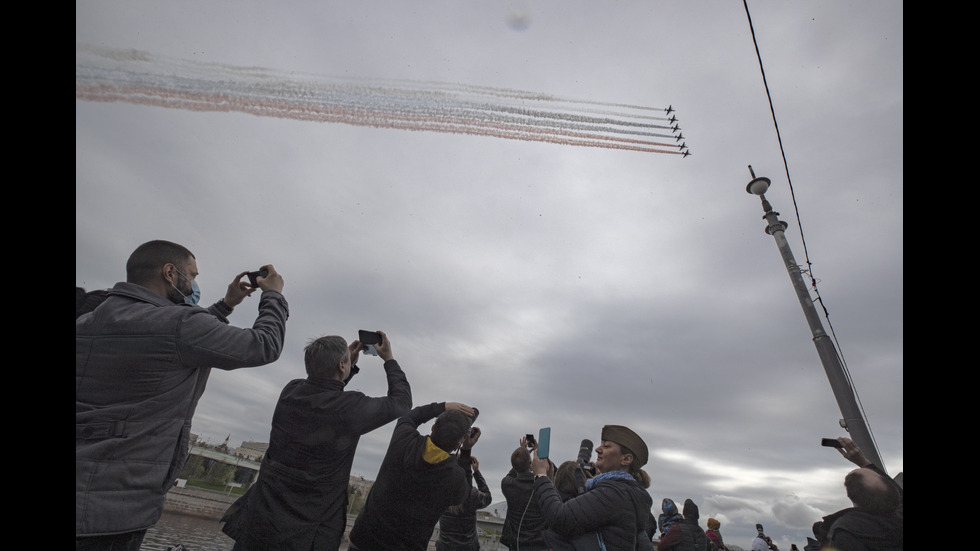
(138, 77)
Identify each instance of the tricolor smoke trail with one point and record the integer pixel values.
(141, 78)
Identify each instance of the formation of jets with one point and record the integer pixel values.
(679, 137)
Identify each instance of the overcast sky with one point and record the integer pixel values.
(546, 284)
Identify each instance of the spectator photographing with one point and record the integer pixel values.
(615, 508)
(875, 522)
(299, 500)
(524, 523)
(142, 360)
(418, 480)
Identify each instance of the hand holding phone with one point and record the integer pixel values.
(370, 340)
(253, 277)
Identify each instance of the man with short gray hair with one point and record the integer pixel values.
(299, 500)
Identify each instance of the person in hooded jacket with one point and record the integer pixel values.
(685, 534)
(418, 480)
(714, 536)
(668, 517)
(615, 506)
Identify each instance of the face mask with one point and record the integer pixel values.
(195, 295)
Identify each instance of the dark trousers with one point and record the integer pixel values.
(130, 541)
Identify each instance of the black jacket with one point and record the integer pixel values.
(457, 526)
(618, 508)
(685, 535)
(410, 494)
(524, 523)
(852, 529)
(299, 500)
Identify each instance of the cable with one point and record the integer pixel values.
(517, 536)
(806, 254)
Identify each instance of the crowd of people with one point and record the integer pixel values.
(144, 352)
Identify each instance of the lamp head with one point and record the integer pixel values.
(758, 186)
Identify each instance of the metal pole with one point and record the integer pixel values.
(853, 421)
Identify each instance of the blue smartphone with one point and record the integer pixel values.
(544, 442)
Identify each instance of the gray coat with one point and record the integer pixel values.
(141, 365)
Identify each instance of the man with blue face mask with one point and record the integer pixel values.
(142, 360)
(192, 295)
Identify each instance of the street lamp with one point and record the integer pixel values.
(853, 421)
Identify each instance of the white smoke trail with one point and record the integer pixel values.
(138, 77)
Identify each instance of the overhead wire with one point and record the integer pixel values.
(799, 223)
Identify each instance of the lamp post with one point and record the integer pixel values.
(853, 421)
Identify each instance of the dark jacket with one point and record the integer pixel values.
(618, 508)
(409, 494)
(852, 529)
(714, 536)
(524, 523)
(141, 366)
(684, 535)
(457, 526)
(299, 500)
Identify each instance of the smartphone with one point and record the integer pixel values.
(369, 340)
(252, 277)
(830, 443)
(529, 439)
(544, 442)
(476, 413)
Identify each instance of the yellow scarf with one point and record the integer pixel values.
(433, 454)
